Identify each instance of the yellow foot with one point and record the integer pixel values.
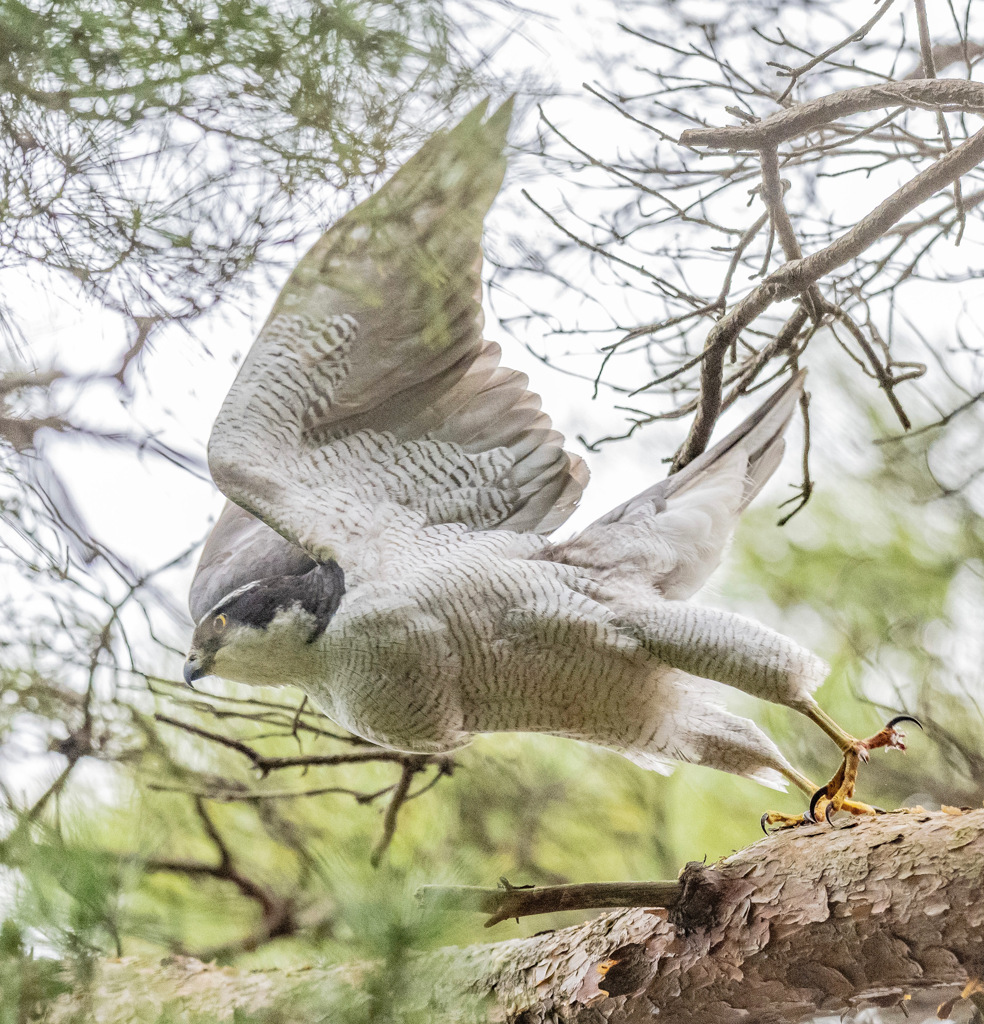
(780, 820)
(837, 794)
(809, 817)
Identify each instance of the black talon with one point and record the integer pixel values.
(827, 811)
(808, 818)
(815, 799)
(762, 821)
(903, 718)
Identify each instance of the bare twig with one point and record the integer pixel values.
(795, 74)
(510, 901)
(799, 500)
(885, 379)
(929, 71)
(265, 765)
(412, 764)
(936, 424)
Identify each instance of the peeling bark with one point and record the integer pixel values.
(810, 920)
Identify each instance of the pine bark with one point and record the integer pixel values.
(810, 920)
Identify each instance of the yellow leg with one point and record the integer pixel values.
(837, 794)
(816, 714)
(801, 782)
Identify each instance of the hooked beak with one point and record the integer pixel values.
(193, 668)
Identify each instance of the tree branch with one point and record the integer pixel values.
(266, 765)
(933, 94)
(809, 920)
(511, 901)
(797, 275)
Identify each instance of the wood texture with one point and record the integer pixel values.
(813, 919)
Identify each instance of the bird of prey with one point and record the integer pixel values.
(391, 488)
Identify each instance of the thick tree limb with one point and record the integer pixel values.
(812, 919)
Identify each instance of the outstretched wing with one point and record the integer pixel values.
(672, 535)
(370, 387)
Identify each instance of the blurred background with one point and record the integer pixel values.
(161, 173)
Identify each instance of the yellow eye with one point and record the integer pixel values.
(219, 623)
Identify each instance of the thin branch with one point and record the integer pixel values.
(929, 71)
(509, 901)
(793, 277)
(885, 379)
(931, 94)
(228, 796)
(265, 765)
(796, 73)
(400, 795)
(800, 499)
(941, 422)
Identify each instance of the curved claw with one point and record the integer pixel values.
(904, 718)
(762, 822)
(827, 811)
(814, 800)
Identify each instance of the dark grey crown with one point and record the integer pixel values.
(317, 592)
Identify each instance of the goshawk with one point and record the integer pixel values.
(391, 491)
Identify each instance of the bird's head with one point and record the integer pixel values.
(261, 632)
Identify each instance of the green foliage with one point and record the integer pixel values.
(147, 148)
(68, 887)
(27, 984)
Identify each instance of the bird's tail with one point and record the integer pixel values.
(760, 440)
(671, 536)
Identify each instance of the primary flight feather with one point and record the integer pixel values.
(391, 487)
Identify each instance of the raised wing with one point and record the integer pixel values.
(370, 385)
(672, 535)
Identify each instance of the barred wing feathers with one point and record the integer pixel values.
(370, 383)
